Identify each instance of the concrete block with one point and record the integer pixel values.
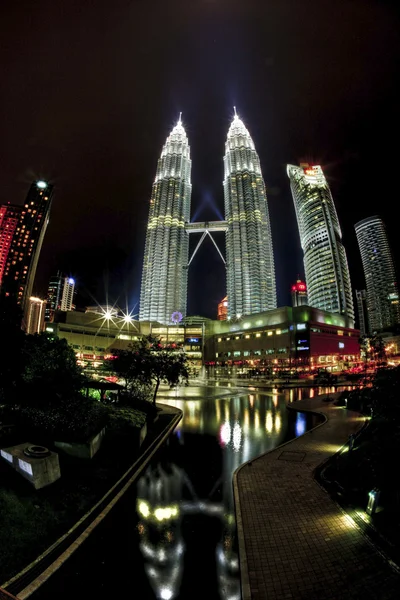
(83, 450)
(35, 463)
(143, 433)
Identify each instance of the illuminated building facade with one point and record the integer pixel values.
(249, 255)
(165, 264)
(380, 277)
(299, 294)
(361, 297)
(9, 218)
(222, 313)
(24, 251)
(53, 298)
(286, 337)
(100, 330)
(35, 315)
(67, 294)
(325, 261)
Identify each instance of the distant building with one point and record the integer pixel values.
(222, 313)
(53, 299)
(325, 261)
(299, 293)
(26, 243)
(68, 294)
(361, 297)
(60, 295)
(379, 271)
(35, 310)
(9, 218)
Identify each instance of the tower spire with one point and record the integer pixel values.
(234, 109)
(180, 119)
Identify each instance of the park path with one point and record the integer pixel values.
(294, 540)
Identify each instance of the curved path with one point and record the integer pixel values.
(294, 540)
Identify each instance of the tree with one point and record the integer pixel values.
(149, 363)
(167, 365)
(378, 347)
(12, 340)
(50, 372)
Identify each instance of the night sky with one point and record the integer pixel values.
(90, 90)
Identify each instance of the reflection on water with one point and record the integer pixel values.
(186, 526)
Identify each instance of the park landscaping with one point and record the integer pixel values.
(44, 400)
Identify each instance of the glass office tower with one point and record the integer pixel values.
(382, 294)
(325, 261)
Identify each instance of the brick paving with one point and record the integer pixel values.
(294, 540)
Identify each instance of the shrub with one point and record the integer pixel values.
(125, 419)
(72, 421)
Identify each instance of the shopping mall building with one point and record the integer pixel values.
(284, 338)
(301, 337)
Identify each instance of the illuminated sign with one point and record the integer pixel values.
(300, 326)
(302, 341)
(25, 466)
(7, 456)
(303, 347)
(310, 172)
(193, 340)
(341, 345)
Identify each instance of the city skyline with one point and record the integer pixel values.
(98, 138)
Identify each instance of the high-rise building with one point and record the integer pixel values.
(68, 294)
(249, 255)
(26, 243)
(165, 264)
(222, 313)
(53, 298)
(361, 297)
(325, 261)
(35, 309)
(379, 271)
(9, 218)
(299, 293)
(60, 295)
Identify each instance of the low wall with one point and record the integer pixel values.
(85, 450)
(142, 434)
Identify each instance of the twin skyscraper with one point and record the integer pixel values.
(250, 270)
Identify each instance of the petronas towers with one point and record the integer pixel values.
(249, 254)
(165, 264)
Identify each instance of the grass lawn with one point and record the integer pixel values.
(31, 520)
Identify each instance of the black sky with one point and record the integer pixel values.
(91, 89)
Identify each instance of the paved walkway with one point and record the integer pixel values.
(294, 540)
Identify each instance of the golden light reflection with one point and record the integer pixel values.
(257, 420)
(312, 392)
(246, 420)
(268, 421)
(278, 423)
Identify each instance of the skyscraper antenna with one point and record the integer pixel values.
(234, 108)
(180, 119)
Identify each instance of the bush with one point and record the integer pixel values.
(125, 419)
(73, 421)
